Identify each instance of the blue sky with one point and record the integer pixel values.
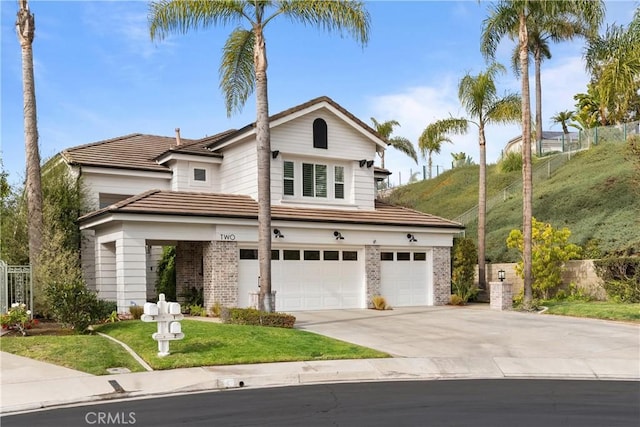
(99, 76)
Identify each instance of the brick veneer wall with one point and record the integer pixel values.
(372, 272)
(189, 271)
(441, 275)
(220, 273)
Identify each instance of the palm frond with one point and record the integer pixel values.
(237, 71)
(181, 16)
(405, 146)
(330, 15)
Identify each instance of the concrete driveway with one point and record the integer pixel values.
(477, 332)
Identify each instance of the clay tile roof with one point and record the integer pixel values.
(135, 151)
(295, 109)
(239, 206)
(199, 147)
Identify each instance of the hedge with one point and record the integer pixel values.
(621, 277)
(251, 316)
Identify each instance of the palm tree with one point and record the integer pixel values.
(385, 129)
(563, 118)
(26, 27)
(431, 142)
(613, 61)
(542, 29)
(479, 97)
(505, 16)
(244, 68)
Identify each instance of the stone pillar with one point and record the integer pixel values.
(131, 272)
(220, 273)
(189, 269)
(441, 275)
(501, 296)
(372, 273)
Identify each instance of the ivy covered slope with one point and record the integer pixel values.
(595, 195)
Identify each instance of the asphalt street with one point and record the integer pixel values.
(475, 403)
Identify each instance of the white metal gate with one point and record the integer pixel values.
(16, 286)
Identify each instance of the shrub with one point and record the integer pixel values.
(192, 296)
(18, 318)
(455, 300)
(621, 277)
(103, 309)
(251, 316)
(72, 304)
(216, 309)
(197, 310)
(511, 162)
(166, 281)
(136, 311)
(465, 290)
(465, 257)
(380, 303)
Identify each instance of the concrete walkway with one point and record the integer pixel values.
(429, 343)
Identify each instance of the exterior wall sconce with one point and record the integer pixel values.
(362, 162)
(411, 237)
(274, 154)
(501, 275)
(277, 234)
(338, 235)
(369, 163)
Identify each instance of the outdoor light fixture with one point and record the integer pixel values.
(369, 163)
(411, 237)
(277, 234)
(274, 154)
(501, 275)
(338, 235)
(362, 162)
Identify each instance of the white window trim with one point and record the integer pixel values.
(330, 199)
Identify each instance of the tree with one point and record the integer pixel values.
(505, 16)
(431, 142)
(244, 68)
(551, 250)
(26, 27)
(613, 60)
(385, 129)
(479, 97)
(564, 119)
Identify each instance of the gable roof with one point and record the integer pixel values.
(213, 205)
(291, 111)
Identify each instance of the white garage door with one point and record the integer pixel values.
(406, 277)
(307, 279)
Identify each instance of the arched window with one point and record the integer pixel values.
(319, 134)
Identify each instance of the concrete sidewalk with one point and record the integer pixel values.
(27, 384)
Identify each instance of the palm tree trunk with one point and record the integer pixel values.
(25, 26)
(482, 209)
(263, 138)
(430, 165)
(538, 61)
(527, 178)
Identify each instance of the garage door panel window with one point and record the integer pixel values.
(248, 254)
(419, 256)
(349, 255)
(404, 256)
(331, 255)
(312, 255)
(386, 256)
(291, 255)
(275, 254)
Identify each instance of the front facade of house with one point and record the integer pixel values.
(333, 244)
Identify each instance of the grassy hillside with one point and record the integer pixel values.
(593, 195)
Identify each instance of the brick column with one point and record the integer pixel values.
(501, 296)
(189, 268)
(372, 272)
(441, 275)
(220, 273)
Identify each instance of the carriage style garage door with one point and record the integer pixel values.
(406, 277)
(307, 279)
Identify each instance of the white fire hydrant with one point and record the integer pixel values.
(168, 316)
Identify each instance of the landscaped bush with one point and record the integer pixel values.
(251, 316)
(216, 309)
(465, 257)
(72, 304)
(621, 277)
(136, 311)
(197, 310)
(380, 303)
(511, 162)
(103, 309)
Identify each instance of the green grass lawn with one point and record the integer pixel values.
(595, 309)
(88, 353)
(207, 344)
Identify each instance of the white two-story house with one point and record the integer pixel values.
(334, 245)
